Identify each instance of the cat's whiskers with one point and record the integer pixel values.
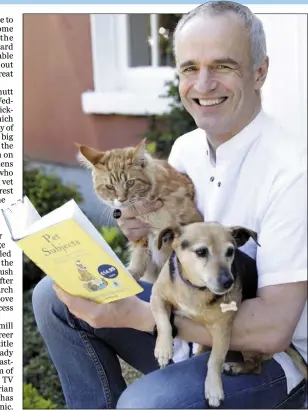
(106, 215)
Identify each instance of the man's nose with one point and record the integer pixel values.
(205, 82)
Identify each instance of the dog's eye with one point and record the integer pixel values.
(110, 187)
(229, 252)
(202, 252)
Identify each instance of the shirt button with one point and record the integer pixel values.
(219, 183)
(212, 179)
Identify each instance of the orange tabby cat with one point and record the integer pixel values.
(131, 177)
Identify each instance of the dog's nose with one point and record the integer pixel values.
(225, 279)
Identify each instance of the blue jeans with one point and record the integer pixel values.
(91, 378)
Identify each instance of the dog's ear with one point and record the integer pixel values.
(167, 235)
(88, 156)
(241, 235)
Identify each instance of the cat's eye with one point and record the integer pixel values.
(202, 252)
(110, 187)
(130, 183)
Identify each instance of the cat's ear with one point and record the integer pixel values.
(88, 156)
(139, 156)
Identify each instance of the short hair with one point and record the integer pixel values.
(251, 22)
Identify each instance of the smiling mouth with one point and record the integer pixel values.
(210, 102)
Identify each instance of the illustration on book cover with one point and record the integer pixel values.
(92, 283)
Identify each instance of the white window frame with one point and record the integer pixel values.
(118, 88)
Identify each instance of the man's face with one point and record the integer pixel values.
(217, 84)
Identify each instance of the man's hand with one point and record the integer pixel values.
(132, 227)
(131, 312)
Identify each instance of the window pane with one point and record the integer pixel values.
(141, 43)
(167, 24)
(139, 47)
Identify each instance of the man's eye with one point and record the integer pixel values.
(223, 67)
(189, 69)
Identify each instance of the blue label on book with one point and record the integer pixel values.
(108, 271)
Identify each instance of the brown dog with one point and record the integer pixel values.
(201, 279)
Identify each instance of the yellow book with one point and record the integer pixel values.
(66, 246)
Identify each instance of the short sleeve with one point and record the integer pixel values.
(282, 257)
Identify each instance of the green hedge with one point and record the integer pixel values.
(46, 192)
(165, 129)
(33, 400)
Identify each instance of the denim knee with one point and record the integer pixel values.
(136, 396)
(150, 392)
(47, 308)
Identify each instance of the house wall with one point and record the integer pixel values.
(57, 69)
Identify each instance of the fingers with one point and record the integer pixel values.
(77, 306)
(131, 223)
(135, 234)
(132, 212)
(132, 227)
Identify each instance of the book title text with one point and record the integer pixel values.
(55, 244)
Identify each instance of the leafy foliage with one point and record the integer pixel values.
(33, 400)
(46, 192)
(165, 129)
(39, 371)
(117, 241)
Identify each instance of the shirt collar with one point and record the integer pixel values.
(240, 142)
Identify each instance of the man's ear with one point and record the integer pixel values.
(88, 156)
(241, 235)
(167, 235)
(261, 74)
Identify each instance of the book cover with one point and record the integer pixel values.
(77, 262)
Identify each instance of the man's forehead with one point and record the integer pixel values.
(212, 37)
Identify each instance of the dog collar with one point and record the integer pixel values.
(175, 269)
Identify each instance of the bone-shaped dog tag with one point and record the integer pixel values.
(225, 307)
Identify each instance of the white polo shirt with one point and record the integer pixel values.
(259, 181)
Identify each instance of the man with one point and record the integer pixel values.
(246, 172)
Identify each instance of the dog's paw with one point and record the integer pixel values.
(214, 393)
(232, 368)
(163, 351)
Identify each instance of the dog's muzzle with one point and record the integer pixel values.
(225, 279)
